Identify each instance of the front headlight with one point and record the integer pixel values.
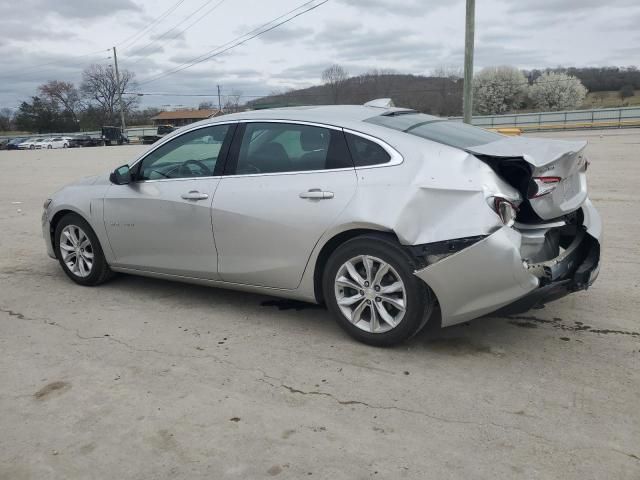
(506, 210)
(46, 204)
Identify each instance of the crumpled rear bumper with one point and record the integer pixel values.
(491, 275)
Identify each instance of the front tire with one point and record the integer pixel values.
(79, 251)
(370, 288)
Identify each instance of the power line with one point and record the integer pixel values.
(180, 23)
(149, 27)
(236, 42)
(13, 73)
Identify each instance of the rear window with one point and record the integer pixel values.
(365, 152)
(449, 132)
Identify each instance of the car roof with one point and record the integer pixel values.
(338, 115)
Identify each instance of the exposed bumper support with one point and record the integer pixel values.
(490, 275)
(481, 278)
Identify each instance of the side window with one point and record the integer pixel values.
(365, 152)
(288, 147)
(192, 154)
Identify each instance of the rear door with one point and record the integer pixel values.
(286, 184)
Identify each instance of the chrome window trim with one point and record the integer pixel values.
(167, 140)
(396, 157)
(295, 122)
(296, 172)
(184, 179)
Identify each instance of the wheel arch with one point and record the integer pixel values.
(332, 244)
(55, 219)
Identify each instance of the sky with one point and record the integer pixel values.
(45, 40)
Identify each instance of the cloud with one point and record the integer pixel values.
(28, 10)
(286, 34)
(349, 41)
(492, 55)
(564, 6)
(409, 8)
(14, 31)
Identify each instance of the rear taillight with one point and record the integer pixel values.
(506, 210)
(540, 186)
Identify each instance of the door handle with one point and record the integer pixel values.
(194, 195)
(316, 194)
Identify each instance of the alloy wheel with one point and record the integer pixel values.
(77, 251)
(370, 294)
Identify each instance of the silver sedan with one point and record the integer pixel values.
(390, 217)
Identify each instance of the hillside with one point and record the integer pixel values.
(610, 99)
(437, 96)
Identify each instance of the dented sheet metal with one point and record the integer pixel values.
(481, 278)
(536, 151)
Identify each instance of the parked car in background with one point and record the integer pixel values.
(55, 142)
(38, 144)
(383, 214)
(14, 142)
(29, 144)
(3, 143)
(114, 135)
(160, 132)
(83, 141)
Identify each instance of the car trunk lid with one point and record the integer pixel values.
(531, 163)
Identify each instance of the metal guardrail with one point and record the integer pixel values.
(565, 120)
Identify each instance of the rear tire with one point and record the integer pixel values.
(79, 251)
(369, 287)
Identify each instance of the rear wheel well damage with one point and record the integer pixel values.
(329, 247)
(415, 260)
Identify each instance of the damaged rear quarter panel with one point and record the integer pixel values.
(437, 193)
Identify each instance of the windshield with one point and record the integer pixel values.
(449, 132)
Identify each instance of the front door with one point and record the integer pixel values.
(286, 185)
(161, 222)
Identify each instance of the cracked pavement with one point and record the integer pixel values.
(143, 378)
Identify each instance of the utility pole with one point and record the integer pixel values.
(467, 101)
(219, 102)
(115, 61)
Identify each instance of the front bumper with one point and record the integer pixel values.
(491, 275)
(46, 234)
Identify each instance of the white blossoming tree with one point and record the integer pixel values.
(556, 91)
(498, 90)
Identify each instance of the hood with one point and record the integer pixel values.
(535, 151)
(92, 180)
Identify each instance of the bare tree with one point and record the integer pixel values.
(232, 103)
(626, 91)
(335, 77)
(63, 95)
(6, 119)
(99, 87)
(451, 72)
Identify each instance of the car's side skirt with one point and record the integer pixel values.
(276, 292)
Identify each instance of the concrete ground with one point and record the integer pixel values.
(148, 379)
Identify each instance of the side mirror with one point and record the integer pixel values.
(121, 175)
